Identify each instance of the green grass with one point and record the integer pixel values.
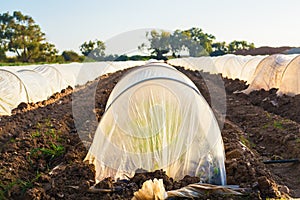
(277, 124)
(39, 126)
(52, 152)
(23, 184)
(268, 115)
(246, 142)
(48, 123)
(36, 134)
(12, 140)
(51, 132)
(5, 188)
(266, 126)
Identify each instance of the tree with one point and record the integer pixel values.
(71, 56)
(159, 43)
(93, 49)
(21, 35)
(219, 48)
(47, 53)
(194, 41)
(239, 45)
(198, 43)
(2, 55)
(177, 42)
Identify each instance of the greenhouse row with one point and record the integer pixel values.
(156, 118)
(260, 72)
(38, 82)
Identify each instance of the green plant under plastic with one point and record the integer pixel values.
(158, 123)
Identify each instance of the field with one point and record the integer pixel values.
(42, 154)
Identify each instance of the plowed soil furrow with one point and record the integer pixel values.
(42, 153)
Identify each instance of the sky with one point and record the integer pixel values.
(69, 23)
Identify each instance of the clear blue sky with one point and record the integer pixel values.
(68, 23)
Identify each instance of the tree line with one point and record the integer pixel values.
(20, 35)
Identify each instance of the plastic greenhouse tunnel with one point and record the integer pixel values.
(156, 118)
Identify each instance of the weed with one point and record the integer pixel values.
(266, 126)
(52, 152)
(48, 123)
(5, 188)
(246, 142)
(36, 134)
(12, 140)
(268, 115)
(51, 132)
(277, 124)
(23, 184)
(38, 125)
(216, 171)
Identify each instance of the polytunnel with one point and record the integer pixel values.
(204, 63)
(33, 83)
(37, 87)
(290, 83)
(69, 72)
(157, 119)
(121, 65)
(153, 70)
(12, 92)
(90, 71)
(220, 61)
(53, 76)
(249, 68)
(180, 62)
(268, 73)
(17, 68)
(233, 66)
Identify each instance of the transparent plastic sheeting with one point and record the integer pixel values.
(260, 72)
(269, 72)
(231, 66)
(53, 76)
(153, 70)
(35, 83)
(158, 123)
(37, 87)
(249, 68)
(16, 90)
(196, 63)
(290, 82)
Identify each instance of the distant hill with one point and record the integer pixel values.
(265, 51)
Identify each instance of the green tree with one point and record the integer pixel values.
(71, 56)
(198, 43)
(159, 43)
(21, 35)
(239, 45)
(177, 42)
(2, 55)
(93, 49)
(219, 48)
(47, 53)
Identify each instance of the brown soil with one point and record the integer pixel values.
(263, 51)
(42, 154)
